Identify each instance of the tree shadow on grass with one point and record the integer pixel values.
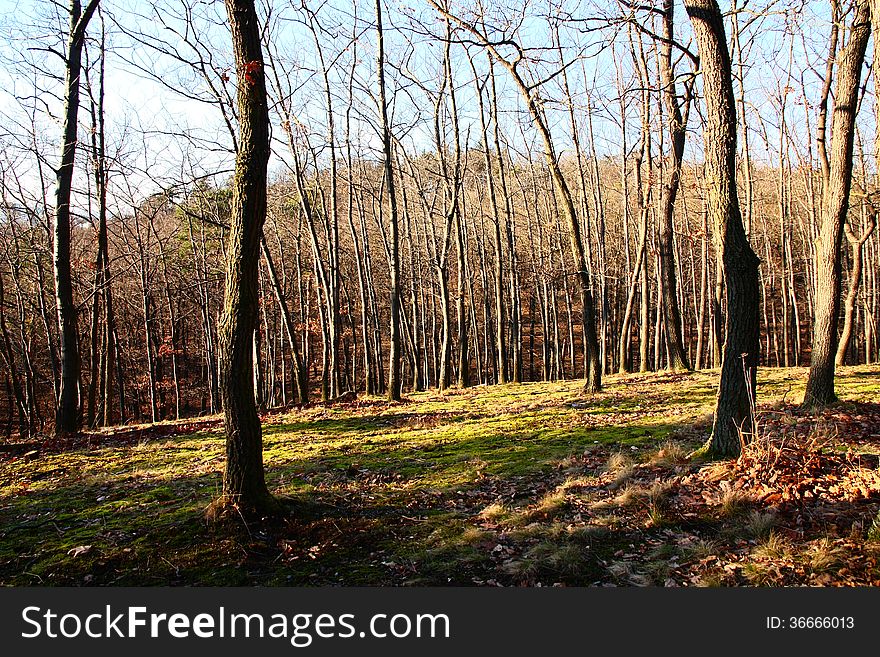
(377, 422)
(451, 455)
(352, 530)
(357, 517)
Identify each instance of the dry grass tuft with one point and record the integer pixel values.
(622, 467)
(733, 502)
(495, 512)
(631, 494)
(552, 504)
(551, 560)
(760, 524)
(824, 556)
(775, 547)
(670, 453)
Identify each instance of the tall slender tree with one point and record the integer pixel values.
(593, 368)
(244, 484)
(676, 122)
(835, 204)
(67, 416)
(394, 359)
(736, 391)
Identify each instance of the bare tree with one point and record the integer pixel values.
(244, 484)
(736, 391)
(835, 204)
(394, 358)
(857, 244)
(67, 417)
(676, 121)
(529, 93)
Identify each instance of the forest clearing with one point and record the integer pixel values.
(520, 484)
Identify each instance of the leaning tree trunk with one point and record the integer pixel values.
(244, 485)
(67, 407)
(835, 204)
(736, 392)
(593, 368)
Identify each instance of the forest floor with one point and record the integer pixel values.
(531, 484)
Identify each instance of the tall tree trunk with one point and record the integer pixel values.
(736, 391)
(643, 195)
(676, 125)
(394, 358)
(67, 418)
(101, 288)
(244, 484)
(500, 313)
(450, 211)
(835, 203)
(464, 368)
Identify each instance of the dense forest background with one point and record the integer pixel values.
(487, 287)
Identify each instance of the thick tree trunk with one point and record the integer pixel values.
(736, 392)
(244, 484)
(835, 204)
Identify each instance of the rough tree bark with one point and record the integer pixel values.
(736, 391)
(244, 485)
(67, 417)
(835, 204)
